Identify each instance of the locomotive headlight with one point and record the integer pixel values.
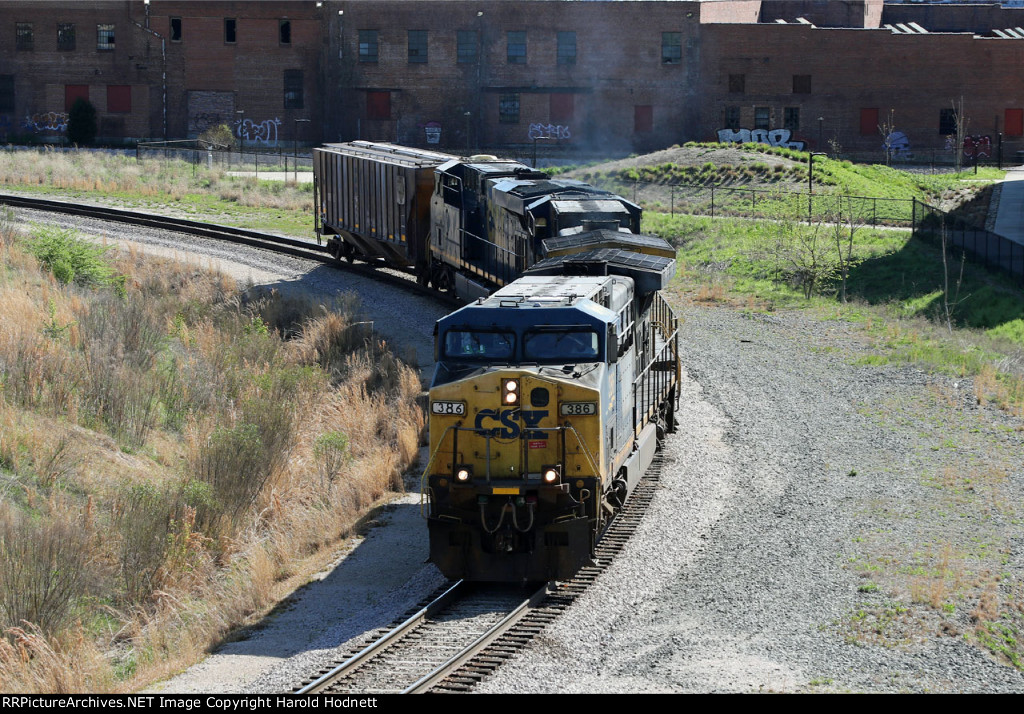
(511, 392)
(550, 474)
(463, 473)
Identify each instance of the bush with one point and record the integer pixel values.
(82, 122)
(74, 260)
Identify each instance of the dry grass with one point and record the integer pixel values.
(106, 402)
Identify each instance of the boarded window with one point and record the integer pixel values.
(508, 108)
(230, 30)
(566, 48)
(175, 29)
(801, 84)
(868, 121)
(643, 118)
(737, 83)
(1015, 122)
(104, 38)
(368, 47)
(293, 97)
(791, 119)
(284, 32)
(6, 92)
(65, 36)
(671, 47)
(561, 107)
(417, 46)
(73, 92)
(516, 48)
(378, 105)
(119, 98)
(466, 47)
(24, 36)
(762, 118)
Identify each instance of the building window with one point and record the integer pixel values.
(230, 30)
(466, 51)
(104, 38)
(24, 38)
(65, 36)
(1014, 122)
(737, 83)
(73, 92)
(368, 45)
(516, 50)
(417, 46)
(175, 29)
(732, 118)
(947, 122)
(284, 32)
(868, 122)
(643, 118)
(119, 98)
(6, 92)
(791, 118)
(293, 89)
(671, 47)
(566, 48)
(801, 84)
(508, 108)
(378, 105)
(762, 118)
(560, 108)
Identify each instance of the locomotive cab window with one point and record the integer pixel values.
(561, 345)
(476, 345)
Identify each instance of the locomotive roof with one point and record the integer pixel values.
(535, 291)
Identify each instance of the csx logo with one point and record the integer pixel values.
(508, 418)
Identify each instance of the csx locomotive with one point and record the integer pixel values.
(554, 386)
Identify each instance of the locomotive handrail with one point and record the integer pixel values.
(426, 471)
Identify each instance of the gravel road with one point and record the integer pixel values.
(821, 526)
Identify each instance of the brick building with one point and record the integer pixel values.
(592, 77)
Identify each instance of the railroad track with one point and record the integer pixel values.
(297, 247)
(463, 634)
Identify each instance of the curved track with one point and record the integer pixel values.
(464, 633)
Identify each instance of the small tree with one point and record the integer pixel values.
(82, 122)
(887, 128)
(217, 137)
(961, 121)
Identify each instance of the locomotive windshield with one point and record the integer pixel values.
(464, 344)
(561, 345)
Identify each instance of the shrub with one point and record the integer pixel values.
(42, 570)
(74, 260)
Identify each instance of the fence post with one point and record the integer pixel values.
(672, 209)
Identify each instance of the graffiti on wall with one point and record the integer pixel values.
(264, 132)
(774, 137)
(978, 146)
(46, 121)
(897, 144)
(549, 131)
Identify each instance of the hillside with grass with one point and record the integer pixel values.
(172, 449)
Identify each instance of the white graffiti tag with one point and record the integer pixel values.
(549, 131)
(264, 132)
(46, 121)
(775, 137)
(898, 145)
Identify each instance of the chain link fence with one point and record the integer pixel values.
(278, 163)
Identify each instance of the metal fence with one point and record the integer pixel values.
(723, 201)
(279, 161)
(994, 251)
